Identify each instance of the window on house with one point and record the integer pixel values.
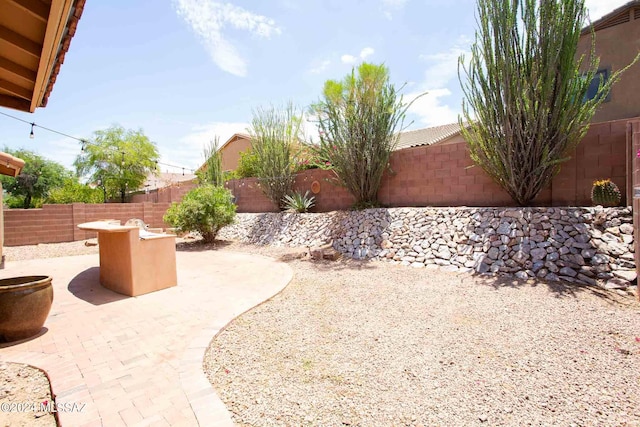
(601, 76)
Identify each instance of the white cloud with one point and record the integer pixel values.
(430, 108)
(599, 8)
(444, 65)
(208, 19)
(348, 59)
(390, 6)
(63, 151)
(366, 52)
(189, 151)
(439, 76)
(320, 67)
(398, 4)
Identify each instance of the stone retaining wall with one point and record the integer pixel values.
(584, 245)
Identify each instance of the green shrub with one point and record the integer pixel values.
(302, 164)
(605, 193)
(247, 165)
(17, 202)
(299, 202)
(74, 192)
(229, 175)
(305, 157)
(205, 209)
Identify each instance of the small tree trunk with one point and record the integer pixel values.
(122, 193)
(208, 236)
(27, 201)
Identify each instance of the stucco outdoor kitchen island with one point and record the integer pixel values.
(132, 261)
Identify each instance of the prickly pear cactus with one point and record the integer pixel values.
(605, 193)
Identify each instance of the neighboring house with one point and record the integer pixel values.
(445, 134)
(34, 39)
(165, 187)
(166, 179)
(617, 42)
(230, 150)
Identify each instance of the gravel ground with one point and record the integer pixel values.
(50, 250)
(53, 250)
(370, 344)
(357, 343)
(22, 390)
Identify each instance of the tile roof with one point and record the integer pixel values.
(72, 25)
(427, 136)
(617, 16)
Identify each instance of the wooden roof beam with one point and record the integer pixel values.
(34, 7)
(17, 69)
(16, 90)
(59, 15)
(21, 42)
(15, 103)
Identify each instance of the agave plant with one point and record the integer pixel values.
(298, 202)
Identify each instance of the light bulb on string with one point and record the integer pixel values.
(31, 134)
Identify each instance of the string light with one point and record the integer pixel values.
(32, 124)
(84, 142)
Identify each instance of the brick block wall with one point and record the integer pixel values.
(439, 175)
(601, 154)
(331, 197)
(250, 198)
(59, 223)
(445, 175)
(52, 224)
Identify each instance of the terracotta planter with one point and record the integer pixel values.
(24, 306)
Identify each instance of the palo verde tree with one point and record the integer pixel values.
(359, 119)
(275, 135)
(526, 106)
(36, 180)
(119, 159)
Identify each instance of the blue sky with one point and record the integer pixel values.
(186, 70)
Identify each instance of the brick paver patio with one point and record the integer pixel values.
(138, 361)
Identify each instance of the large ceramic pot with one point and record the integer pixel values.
(24, 306)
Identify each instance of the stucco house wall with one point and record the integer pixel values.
(231, 151)
(617, 45)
